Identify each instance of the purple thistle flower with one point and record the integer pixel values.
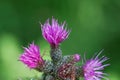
(54, 33)
(31, 57)
(92, 69)
(76, 57)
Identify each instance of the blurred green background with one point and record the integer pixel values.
(95, 26)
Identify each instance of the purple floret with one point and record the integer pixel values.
(92, 69)
(31, 57)
(54, 33)
(76, 57)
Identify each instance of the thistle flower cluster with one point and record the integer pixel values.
(61, 67)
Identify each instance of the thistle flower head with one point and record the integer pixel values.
(76, 57)
(92, 69)
(31, 57)
(67, 71)
(54, 33)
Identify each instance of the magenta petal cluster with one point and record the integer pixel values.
(93, 68)
(54, 33)
(31, 56)
(76, 57)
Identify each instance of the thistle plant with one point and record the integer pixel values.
(62, 67)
